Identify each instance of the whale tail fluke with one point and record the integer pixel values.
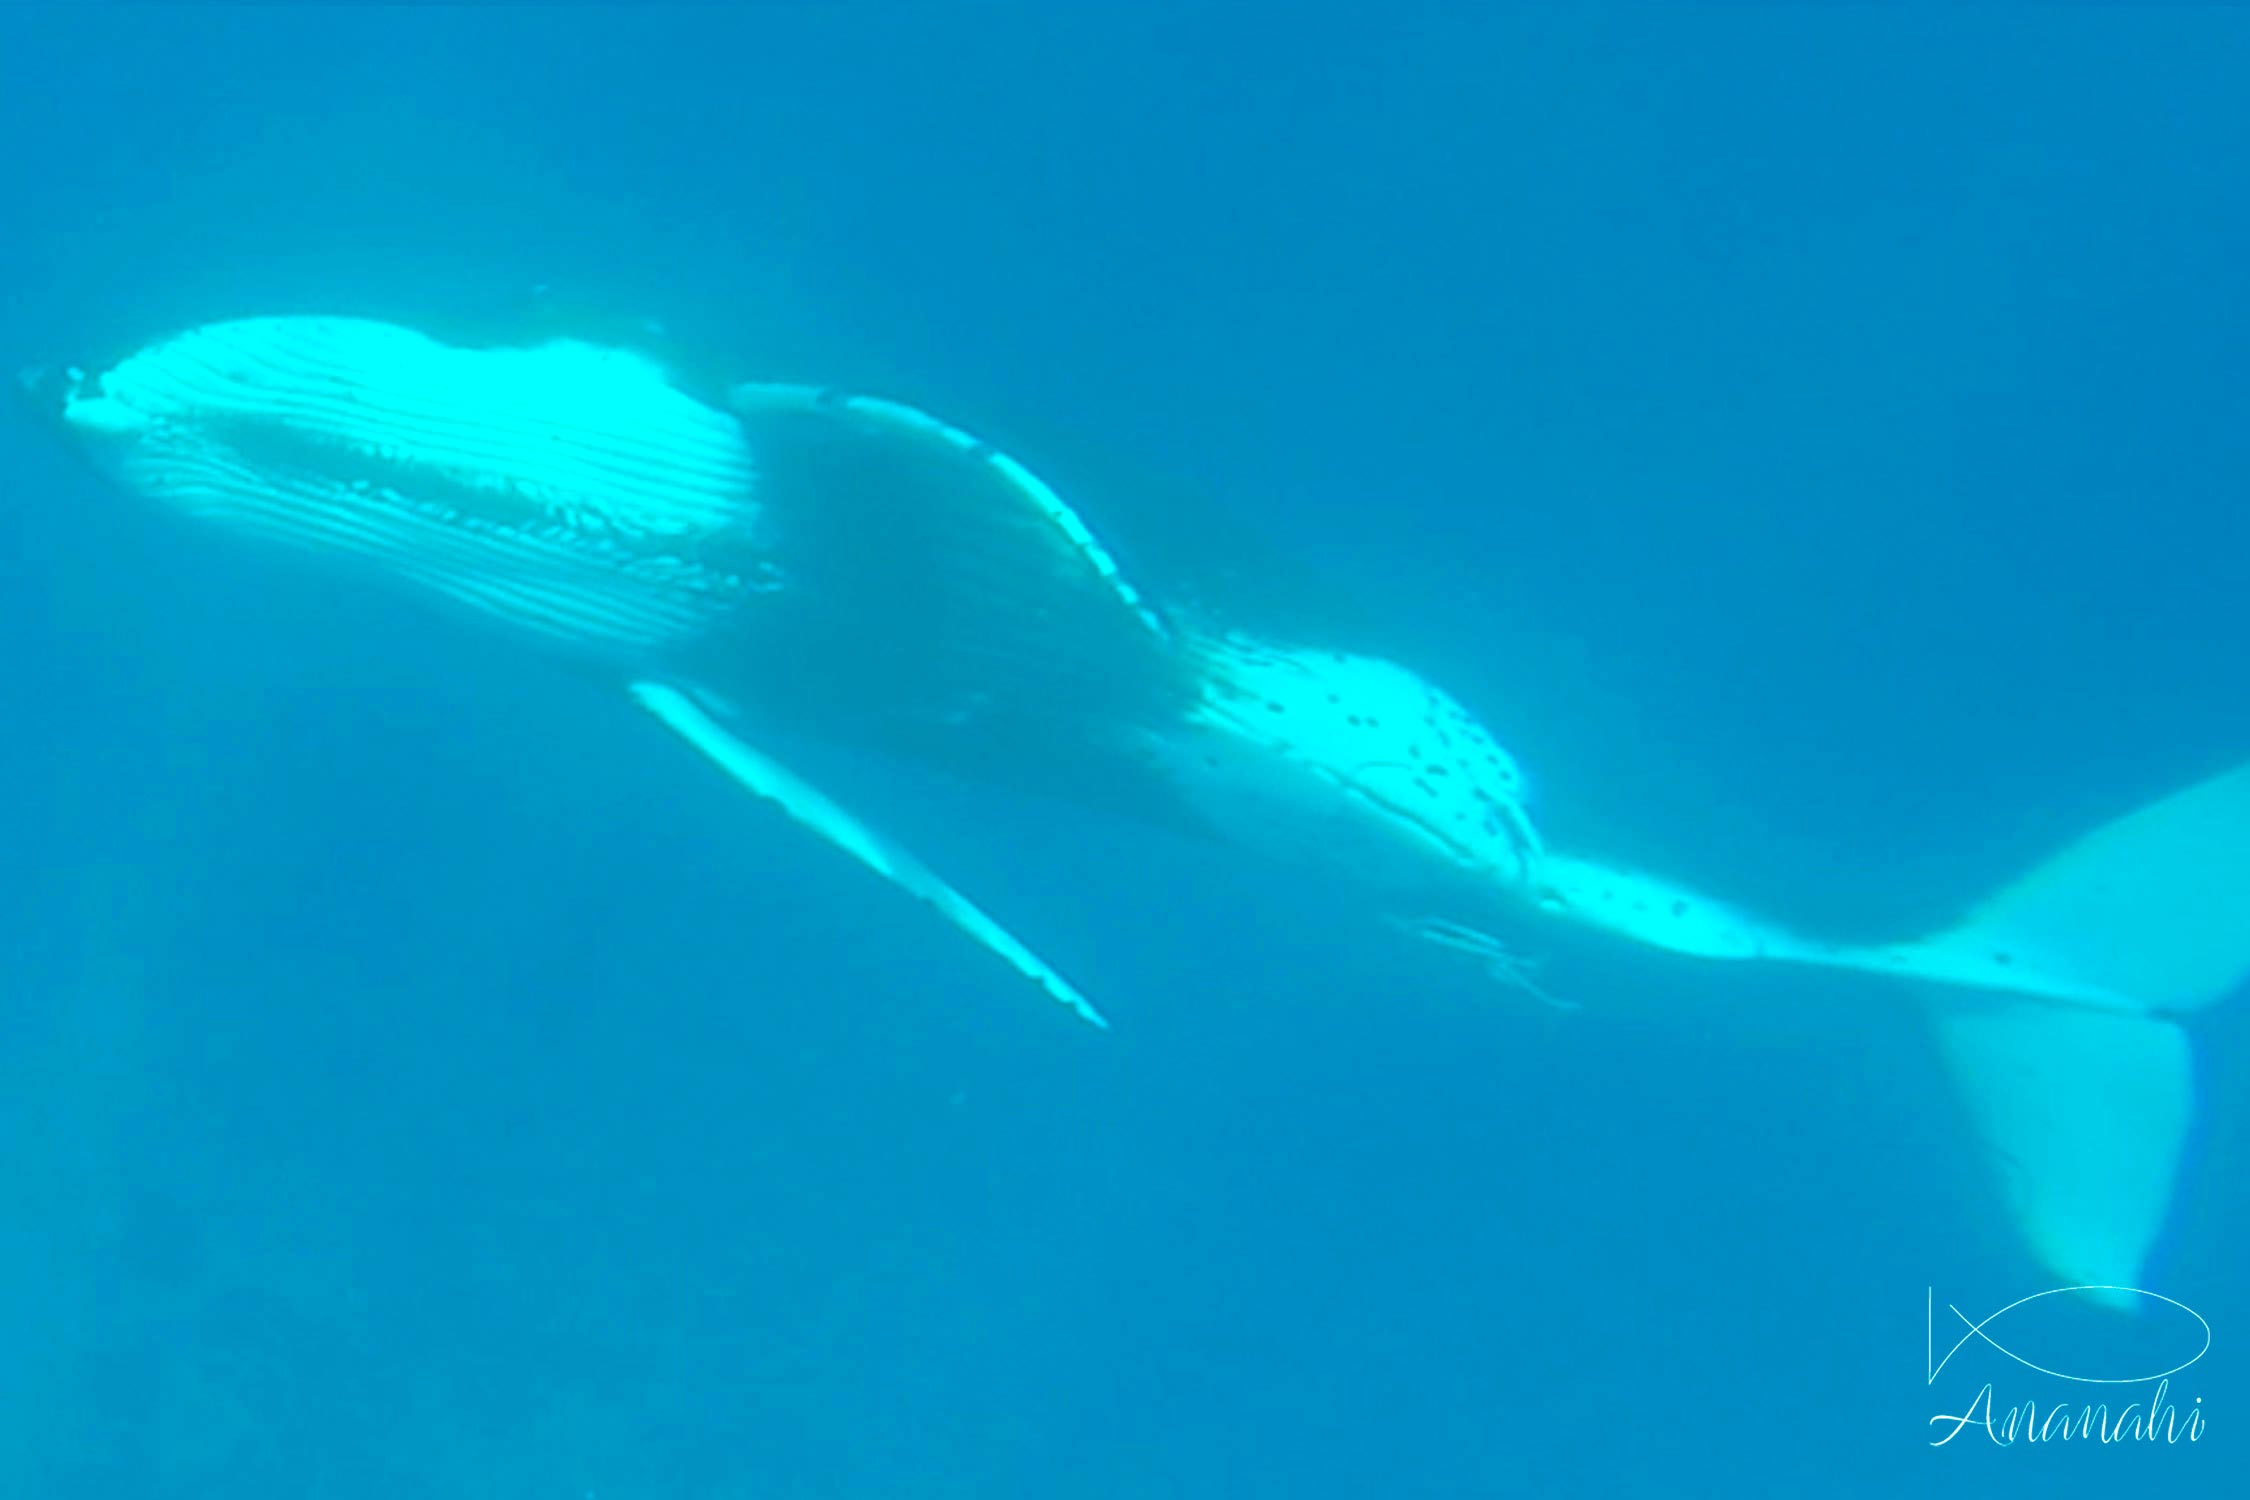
(2153, 908)
(2082, 1115)
(2083, 1110)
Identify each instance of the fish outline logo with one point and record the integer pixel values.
(1977, 1329)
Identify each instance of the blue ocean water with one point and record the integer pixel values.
(1812, 438)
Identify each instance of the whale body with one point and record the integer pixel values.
(782, 558)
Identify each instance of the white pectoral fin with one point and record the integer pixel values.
(923, 475)
(815, 810)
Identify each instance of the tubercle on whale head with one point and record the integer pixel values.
(67, 401)
(96, 428)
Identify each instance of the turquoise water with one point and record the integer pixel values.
(1812, 439)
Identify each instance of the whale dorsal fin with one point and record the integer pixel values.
(815, 810)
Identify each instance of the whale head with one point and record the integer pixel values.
(566, 487)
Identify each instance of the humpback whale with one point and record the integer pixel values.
(777, 558)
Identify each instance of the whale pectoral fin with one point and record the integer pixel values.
(872, 459)
(939, 577)
(815, 810)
